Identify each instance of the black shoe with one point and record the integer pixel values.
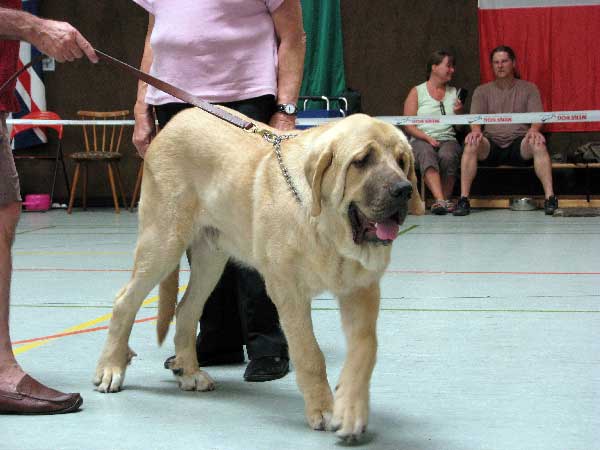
(267, 368)
(550, 205)
(462, 208)
(214, 359)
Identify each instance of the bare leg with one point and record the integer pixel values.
(10, 372)
(542, 164)
(13, 380)
(468, 165)
(448, 186)
(449, 162)
(359, 312)
(434, 183)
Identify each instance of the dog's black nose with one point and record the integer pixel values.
(401, 189)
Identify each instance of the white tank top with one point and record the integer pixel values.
(428, 106)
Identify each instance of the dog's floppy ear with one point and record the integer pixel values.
(415, 205)
(314, 174)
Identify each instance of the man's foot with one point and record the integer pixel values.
(214, 359)
(550, 205)
(267, 368)
(31, 397)
(463, 207)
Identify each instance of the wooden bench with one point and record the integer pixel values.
(503, 201)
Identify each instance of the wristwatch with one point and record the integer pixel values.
(287, 108)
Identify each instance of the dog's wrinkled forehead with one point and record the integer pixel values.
(362, 130)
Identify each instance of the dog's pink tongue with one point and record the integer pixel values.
(387, 230)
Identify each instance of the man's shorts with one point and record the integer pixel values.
(10, 190)
(508, 156)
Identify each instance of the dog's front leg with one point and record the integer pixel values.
(308, 360)
(359, 312)
(110, 371)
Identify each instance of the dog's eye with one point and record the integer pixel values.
(404, 164)
(362, 161)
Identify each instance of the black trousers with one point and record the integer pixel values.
(239, 310)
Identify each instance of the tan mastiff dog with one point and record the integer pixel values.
(220, 191)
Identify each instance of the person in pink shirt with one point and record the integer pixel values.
(249, 56)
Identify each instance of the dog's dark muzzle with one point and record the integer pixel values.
(401, 190)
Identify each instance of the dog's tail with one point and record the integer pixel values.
(167, 301)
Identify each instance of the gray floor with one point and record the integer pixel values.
(489, 339)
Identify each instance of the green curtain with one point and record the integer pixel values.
(324, 61)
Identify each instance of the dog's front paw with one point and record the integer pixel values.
(319, 419)
(319, 409)
(350, 415)
(109, 379)
(197, 381)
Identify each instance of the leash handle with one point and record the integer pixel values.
(35, 60)
(177, 92)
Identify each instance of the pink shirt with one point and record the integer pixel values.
(219, 50)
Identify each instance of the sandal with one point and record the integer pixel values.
(439, 208)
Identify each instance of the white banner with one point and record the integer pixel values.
(464, 119)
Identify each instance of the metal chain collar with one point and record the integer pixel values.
(276, 140)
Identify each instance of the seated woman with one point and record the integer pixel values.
(437, 152)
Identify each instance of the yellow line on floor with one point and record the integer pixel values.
(90, 323)
(78, 253)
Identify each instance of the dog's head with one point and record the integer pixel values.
(363, 169)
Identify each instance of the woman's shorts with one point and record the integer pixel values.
(445, 158)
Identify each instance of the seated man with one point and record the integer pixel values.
(511, 144)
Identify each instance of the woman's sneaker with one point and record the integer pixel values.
(463, 207)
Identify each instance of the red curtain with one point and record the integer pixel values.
(556, 48)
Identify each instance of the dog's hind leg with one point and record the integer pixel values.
(152, 263)
(295, 316)
(359, 311)
(206, 267)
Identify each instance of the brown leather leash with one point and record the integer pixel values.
(177, 92)
(157, 83)
(20, 71)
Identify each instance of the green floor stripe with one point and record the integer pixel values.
(412, 227)
(34, 229)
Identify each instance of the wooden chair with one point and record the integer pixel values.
(29, 154)
(102, 145)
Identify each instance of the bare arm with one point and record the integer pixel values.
(144, 128)
(477, 107)
(290, 53)
(534, 104)
(57, 39)
(534, 134)
(411, 106)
